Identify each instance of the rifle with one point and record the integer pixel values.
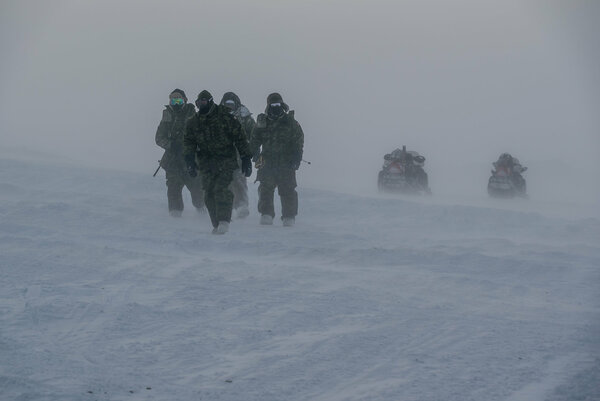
(158, 168)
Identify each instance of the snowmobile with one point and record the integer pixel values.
(506, 180)
(403, 172)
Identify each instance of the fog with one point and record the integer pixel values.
(458, 81)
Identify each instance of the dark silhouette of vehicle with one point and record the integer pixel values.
(506, 180)
(403, 172)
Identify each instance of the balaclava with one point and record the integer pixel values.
(275, 106)
(231, 101)
(204, 102)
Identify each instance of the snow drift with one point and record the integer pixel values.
(103, 296)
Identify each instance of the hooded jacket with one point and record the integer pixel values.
(240, 112)
(279, 141)
(169, 135)
(213, 139)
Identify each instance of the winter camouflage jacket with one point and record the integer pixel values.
(214, 139)
(169, 136)
(280, 142)
(241, 112)
(243, 115)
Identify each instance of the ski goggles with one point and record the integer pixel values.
(203, 101)
(177, 101)
(230, 104)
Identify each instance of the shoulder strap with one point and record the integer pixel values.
(167, 116)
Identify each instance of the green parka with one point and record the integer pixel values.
(212, 139)
(169, 136)
(279, 141)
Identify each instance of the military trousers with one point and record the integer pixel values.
(284, 179)
(176, 180)
(217, 195)
(239, 187)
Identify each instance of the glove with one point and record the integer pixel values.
(247, 166)
(191, 170)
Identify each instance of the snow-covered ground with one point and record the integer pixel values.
(103, 296)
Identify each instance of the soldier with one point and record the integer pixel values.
(238, 186)
(214, 138)
(277, 143)
(169, 136)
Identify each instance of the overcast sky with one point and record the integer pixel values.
(459, 81)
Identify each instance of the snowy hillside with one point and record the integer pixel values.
(103, 296)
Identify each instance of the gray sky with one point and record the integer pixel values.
(459, 81)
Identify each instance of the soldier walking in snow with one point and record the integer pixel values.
(277, 143)
(169, 136)
(238, 185)
(213, 139)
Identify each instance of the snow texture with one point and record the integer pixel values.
(103, 296)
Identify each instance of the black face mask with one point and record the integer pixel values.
(204, 105)
(276, 110)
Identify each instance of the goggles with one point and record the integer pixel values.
(275, 105)
(177, 101)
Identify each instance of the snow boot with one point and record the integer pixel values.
(222, 228)
(288, 221)
(175, 213)
(266, 220)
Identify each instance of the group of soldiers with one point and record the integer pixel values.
(210, 151)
